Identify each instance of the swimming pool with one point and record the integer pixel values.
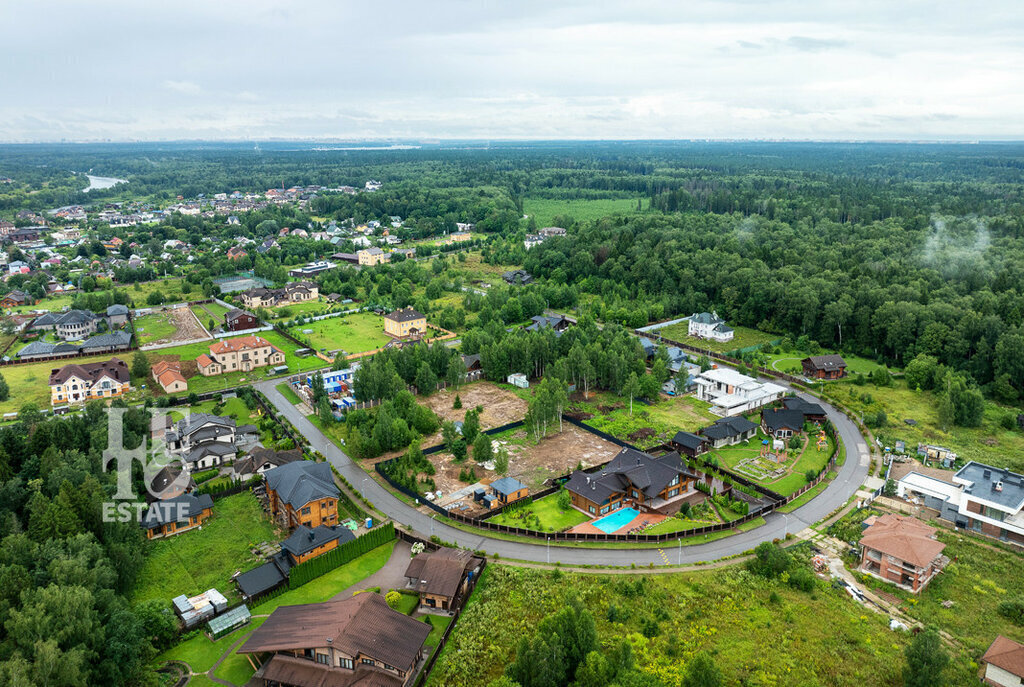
(616, 521)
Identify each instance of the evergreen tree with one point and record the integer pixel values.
(926, 661)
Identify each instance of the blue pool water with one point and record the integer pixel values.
(616, 521)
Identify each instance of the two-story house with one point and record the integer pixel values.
(355, 641)
(647, 483)
(243, 354)
(237, 320)
(824, 367)
(901, 550)
(69, 326)
(302, 493)
(203, 440)
(442, 576)
(78, 383)
(732, 393)
(405, 323)
(176, 515)
(372, 256)
(708, 325)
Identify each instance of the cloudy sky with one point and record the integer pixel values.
(220, 69)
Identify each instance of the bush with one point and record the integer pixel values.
(1013, 610)
(810, 475)
(802, 579)
(769, 561)
(393, 598)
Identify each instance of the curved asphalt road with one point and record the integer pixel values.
(851, 476)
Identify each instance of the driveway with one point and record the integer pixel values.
(851, 476)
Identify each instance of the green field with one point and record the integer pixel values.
(790, 362)
(170, 288)
(542, 515)
(743, 337)
(194, 561)
(200, 653)
(666, 416)
(204, 311)
(154, 327)
(30, 383)
(317, 307)
(544, 210)
(289, 393)
(991, 443)
(53, 303)
(760, 632)
(354, 333)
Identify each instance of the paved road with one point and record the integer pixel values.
(850, 478)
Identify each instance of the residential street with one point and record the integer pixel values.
(851, 476)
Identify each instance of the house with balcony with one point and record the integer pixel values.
(355, 641)
(302, 493)
(708, 325)
(901, 550)
(732, 393)
(244, 354)
(634, 478)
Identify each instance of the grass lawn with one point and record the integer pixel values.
(199, 384)
(54, 304)
(289, 393)
(438, 624)
(542, 515)
(990, 443)
(204, 311)
(544, 210)
(352, 333)
(760, 632)
(153, 327)
(170, 288)
(810, 459)
(30, 383)
(408, 602)
(194, 561)
(806, 497)
(789, 361)
(317, 307)
(743, 337)
(201, 653)
(325, 587)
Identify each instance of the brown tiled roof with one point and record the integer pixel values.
(905, 538)
(1006, 654)
(291, 670)
(441, 571)
(242, 343)
(204, 360)
(362, 624)
(114, 368)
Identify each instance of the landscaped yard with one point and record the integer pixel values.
(743, 337)
(326, 587)
(542, 515)
(760, 632)
(317, 307)
(811, 458)
(353, 333)
(789, 361)
(201, 653)
(200, 559)
(153, 327)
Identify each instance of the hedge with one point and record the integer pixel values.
(321, 565)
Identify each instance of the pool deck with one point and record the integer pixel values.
(641, 520)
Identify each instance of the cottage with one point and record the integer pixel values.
(1004, 663)
(237, 320)
(729, 431)
(176, 515)
(117, 315)
(306, 543)
(243, 354)
(69, 326)
(78, 383)
(732, 393)
(372, 256)
(203, 440)
(302, 493)
(824, 367)
(901, 550)
(517, 277)
(634, 478)
(708, 325)
(405, 323)
(261, 459)
(690, 444)
(17, 298)
(355, 641)
(811, 411)
(168, 376)
(558, 323)
(237, 253)
(442, 576)
(782, 423)
(507, 490)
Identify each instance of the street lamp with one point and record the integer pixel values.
(549, 550)
(432, 525)
(785, 530)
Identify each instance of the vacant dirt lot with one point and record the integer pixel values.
(500, 406)
(531, 464)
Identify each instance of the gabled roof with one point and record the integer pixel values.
(305, 539)
(905, 538)
(197, 421)
(303, 481)
(629, 468)
(117, 309)
(727, 427)
(782, 418)
(688, 439)
(806, 407)
(242, 343)
(214, 448)
(706, 318)
(825, 362)
(1006, 654)
(361, 624)
(440, 572)
(114, 368)
(111, 340)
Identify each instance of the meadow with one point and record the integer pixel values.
(353, 333)
(544, 210)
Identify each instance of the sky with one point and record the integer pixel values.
(333, 69)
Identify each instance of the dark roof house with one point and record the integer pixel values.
(300, 482)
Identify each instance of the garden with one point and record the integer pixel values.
(743, 337)
(649, 424)
(752, 459)
(553, 513)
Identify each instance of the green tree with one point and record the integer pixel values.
(471, 424)
(482, 449)
(5, 391)
(631, 389)
(701, 671)
(426, 380)
(564, 499)
(140, 365)
(926, 661)
(501, 461)
(458, 402)
(540, 662)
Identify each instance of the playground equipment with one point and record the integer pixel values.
(822, 441)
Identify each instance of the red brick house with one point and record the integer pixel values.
(901, 550)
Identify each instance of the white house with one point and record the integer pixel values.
(731, 393)
(708, 325)
(1004, 663)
